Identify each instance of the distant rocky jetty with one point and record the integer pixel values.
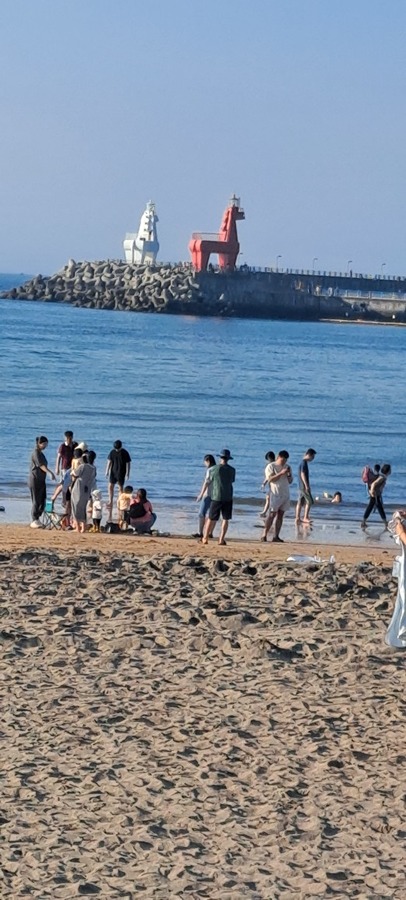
(245, 292)
(118, 285)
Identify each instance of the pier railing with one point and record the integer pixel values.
(243, 267)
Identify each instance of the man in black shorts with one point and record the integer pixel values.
(117, 469)
(221, 479)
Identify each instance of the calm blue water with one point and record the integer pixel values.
(175, 388)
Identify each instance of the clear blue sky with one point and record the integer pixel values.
(297, 106)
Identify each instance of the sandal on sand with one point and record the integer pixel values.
(223, 543)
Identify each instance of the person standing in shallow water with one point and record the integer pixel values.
(279, 479)
(305, 495)
(37, 480)
(375, 491)
(117, 470)
(220, 479)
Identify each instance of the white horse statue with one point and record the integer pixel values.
(142, 247)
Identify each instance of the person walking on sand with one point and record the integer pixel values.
(375, 495)
(37, 480)
(305, 498)
(117, 470)
(221, 479)
(279, 479)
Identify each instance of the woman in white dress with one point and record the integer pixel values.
(396, 633)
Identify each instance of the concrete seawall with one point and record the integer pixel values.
(245, 293)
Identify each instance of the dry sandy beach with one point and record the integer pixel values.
(183, 721)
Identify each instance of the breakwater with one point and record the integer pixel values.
(249, 293)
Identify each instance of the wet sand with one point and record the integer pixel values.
(204, 722)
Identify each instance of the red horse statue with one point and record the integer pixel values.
(225, 243)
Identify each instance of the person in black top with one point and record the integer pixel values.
(37, 480)
(375, 495)
(117, 469)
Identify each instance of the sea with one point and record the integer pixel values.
(174, 388)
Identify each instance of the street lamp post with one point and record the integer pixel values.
(279, 256)
(315, 259)
(383, 265)
(349, 263)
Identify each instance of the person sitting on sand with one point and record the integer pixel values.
(204, 495)
(141, 514)
(280, 477)
(305, 498)
(270, 458)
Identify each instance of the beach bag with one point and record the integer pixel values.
(112, 528)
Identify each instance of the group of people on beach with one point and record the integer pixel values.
(82, 500)
(76, 473)
(216, 494)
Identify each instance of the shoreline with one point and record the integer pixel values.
(181, 521)
(17, 538)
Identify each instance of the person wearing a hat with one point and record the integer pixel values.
(221, 479)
